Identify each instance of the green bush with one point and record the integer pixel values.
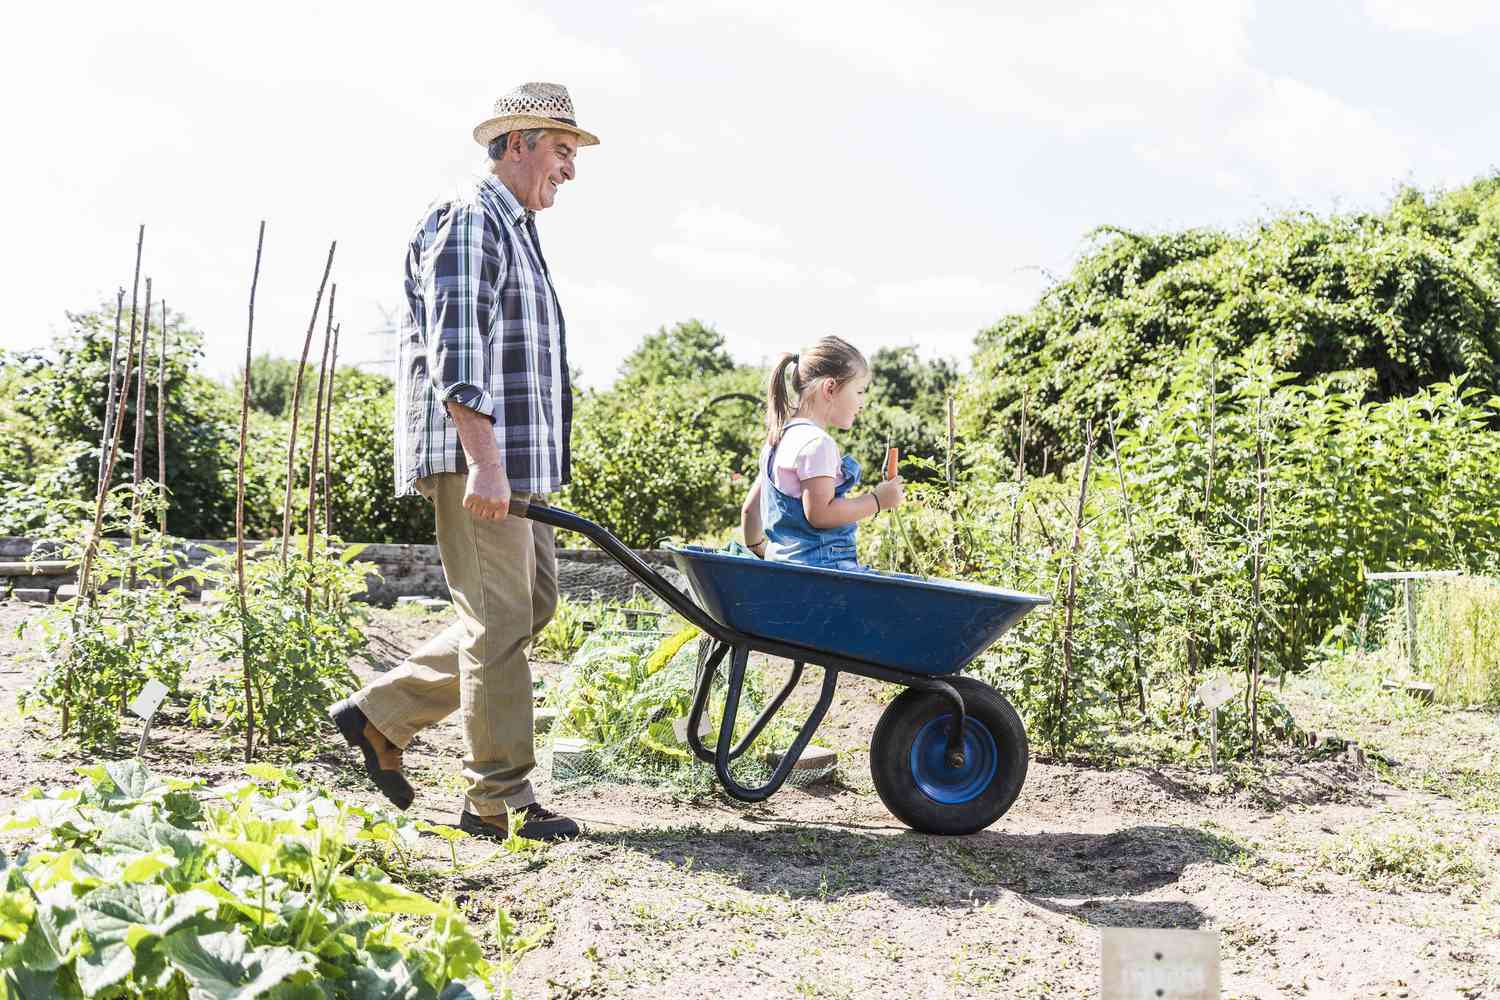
(645, 470)
(1412, 296)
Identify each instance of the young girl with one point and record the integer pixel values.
(799, 509)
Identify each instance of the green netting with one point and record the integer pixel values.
(622, 704)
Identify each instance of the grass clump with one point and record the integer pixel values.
(1415, 857)
(1458, 640)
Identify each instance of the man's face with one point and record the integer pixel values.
(541, 171)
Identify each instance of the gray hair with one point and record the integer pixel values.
(497, 146)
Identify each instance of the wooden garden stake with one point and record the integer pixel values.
(91, 548)
(1070, 599)
(291, 442)
(1257, 560)
(161, 422)
(239, 512)
(1015, 524)
(109, 400)
(951, 437)
(312, 464)
(137, 470)
(1135, 567)
(333, 367)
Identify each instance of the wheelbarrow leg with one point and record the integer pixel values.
(706, 674)
(722, 755)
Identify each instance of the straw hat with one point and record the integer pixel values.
(533, 105)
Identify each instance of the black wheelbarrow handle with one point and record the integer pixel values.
(626, 556)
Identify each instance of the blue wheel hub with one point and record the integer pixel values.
(953, 785)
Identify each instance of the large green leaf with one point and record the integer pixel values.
(53, 939)
(385, 897)
(16, 911)
(387, 975)
(260, 857)
(119, 917)
(34, 984)
(223, 966)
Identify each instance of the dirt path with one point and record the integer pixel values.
(819, 893)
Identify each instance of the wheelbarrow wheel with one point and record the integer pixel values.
(908, 759)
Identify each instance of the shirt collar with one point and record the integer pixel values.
(506, 202)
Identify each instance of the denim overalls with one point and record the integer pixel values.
(789, 535)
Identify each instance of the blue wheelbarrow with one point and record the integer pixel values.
(948, 755)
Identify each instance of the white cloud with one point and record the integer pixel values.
(1434, 17)
(958, 294)
(1308, 140)
(741, 267)
(720, 227)
(1084, 65)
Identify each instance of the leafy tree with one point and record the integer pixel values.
(644, 469)
(684, 352)
(906, 408)
(62, 393)
(272, 380)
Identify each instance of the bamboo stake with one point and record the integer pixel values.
(1070, 600)
(333, 367)
(161, 421)
(109, 401)
(239, 511)
(1015, 523)
(1256, 560)
(951, 437)
(291, 444)
(137, 469)
(312, 464)
(1135, 568)
(86, 569)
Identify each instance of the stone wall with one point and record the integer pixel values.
(403, 570)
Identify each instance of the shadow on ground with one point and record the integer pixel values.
(1090, 876)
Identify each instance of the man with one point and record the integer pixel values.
(483, 416)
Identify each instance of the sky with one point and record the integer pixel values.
(898, 173)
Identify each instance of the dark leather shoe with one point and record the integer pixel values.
(540, 823)
(352, 722)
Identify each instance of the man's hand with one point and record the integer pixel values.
(487, 494)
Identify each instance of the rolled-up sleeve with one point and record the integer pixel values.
(458, 315)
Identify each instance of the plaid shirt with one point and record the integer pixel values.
(482, 328)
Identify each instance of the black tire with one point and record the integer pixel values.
(908, 776)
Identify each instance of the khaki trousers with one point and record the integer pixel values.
(503, 576)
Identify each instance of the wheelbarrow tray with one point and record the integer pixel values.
(894, 620)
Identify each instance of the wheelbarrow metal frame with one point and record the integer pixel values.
(728, 640)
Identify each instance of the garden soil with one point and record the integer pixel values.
(818, 892)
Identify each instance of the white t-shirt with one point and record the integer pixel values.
(806, 451)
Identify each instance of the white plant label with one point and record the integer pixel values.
(1215, 691)
(1149, 964)
(149, 699)
(679, 728)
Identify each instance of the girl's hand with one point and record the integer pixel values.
(889, 493)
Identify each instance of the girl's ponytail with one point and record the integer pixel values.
(779, 406)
